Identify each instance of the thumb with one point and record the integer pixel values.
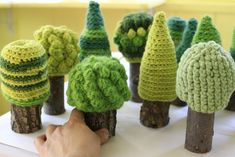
(103, 135)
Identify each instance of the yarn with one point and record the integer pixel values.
(232, 49)
(176, 27)
(61, 45)
(158, 66)
(23, 73)
(206, 77)
(98, 84)
(206, 31)
(187, 38)
(131, 35)
(94, 39)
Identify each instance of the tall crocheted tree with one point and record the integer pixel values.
(94, 39)
(97, 86)
(206, 31)
(176, 27)
(157, 75)
(205, 80)
(131, 36)
(24, 83)
(61, 45)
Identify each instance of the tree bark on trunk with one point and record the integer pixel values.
(26, 119)
(55, 104)
(154, 114)
(179, 103)
(199, 131)
(231, 103)
(107, 120)
(134, 81)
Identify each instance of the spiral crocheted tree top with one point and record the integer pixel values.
(94, 39)
(23, 72)
(187, 38)
(158, 65)
(61, 45)
(206, 77)
(206, 31)
(131, 35)
(98, 84)
(176, 27)
(232, 49)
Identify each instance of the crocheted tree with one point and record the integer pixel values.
(176, 27)
(98, 87)
(131, 36)
(206, 31)
(205, 80)
(24, 83)
(61, 45)
(94, 39)
(157, 75)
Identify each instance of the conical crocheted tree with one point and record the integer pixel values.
(98, 87)
(176, 27)
(131, 36)
(205, 80)
(206, 31)
(24, 83)
(94, 39)
(157, 74)
(61, 45)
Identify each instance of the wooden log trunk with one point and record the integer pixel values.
(231, 103)
(154, 114)
(179, 103)
(134, 81)
(96, 121)
(55, 104)
(26, 119)
(199, 131)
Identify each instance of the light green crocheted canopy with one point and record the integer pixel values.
(158, 65)
(206, 77)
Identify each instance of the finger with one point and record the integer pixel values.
(103, 135)
(50, 129)
(39, 141)
(76, 116)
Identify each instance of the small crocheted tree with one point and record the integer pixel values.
(205, 80)
(206, 31)
(61, 45)
(131, 36)
(24, 83)
(157, 75)
(94, 39)
(176, 27)
(98, 87)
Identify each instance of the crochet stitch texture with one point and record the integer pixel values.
(61, 45)
(94, 39)
(187, 38)
(232, 49)
(98, 84)
(23, 72)
(158, 66)
(206, 77)
(131, 35)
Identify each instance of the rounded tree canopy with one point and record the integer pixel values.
(131, 35)
(206, 77)
(23, 73)
(98, 84)
(158, 66)
(232, 49)
(61, 45)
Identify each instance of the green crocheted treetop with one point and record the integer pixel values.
(187, 38)
(232, 49)
(206, 31)
(206, 77)
(94, 39)
(23, 73)
(158, 66)
(176, 27)
(131, 35)
(98, 84)
(61, 45)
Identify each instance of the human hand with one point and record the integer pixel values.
(73, 139)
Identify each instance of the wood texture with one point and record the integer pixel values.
(231, 103)
(179, 103)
